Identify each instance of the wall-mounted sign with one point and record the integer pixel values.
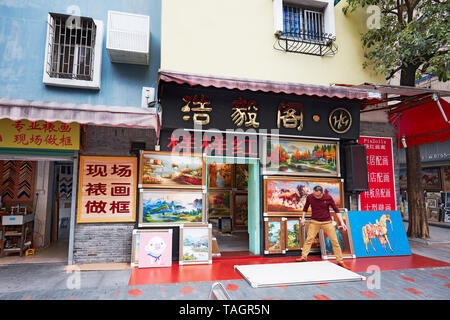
(39, 134)
(380, 171)
(210, 108)
(107, 189)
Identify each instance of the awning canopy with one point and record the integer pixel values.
(420, 115)
(111, 116)
(269, 86)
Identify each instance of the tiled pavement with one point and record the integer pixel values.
(410, 284)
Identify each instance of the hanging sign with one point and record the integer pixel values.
(380, 171)
(39, 134)
(107, 189)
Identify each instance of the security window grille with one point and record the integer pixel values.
(71, 47)
(302, 23)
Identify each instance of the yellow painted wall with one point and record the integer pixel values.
(234, 38)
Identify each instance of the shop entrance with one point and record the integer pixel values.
(35, 208)
(232, 205)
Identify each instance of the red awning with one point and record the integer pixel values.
(269, 86)
(424, 123)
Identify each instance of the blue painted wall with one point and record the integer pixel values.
(23, 29)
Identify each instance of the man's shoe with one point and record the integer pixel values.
(301, 259)
(341, 264)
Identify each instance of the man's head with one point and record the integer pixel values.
(318, 192)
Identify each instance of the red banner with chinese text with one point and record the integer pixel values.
(380, 174)
(107, 189)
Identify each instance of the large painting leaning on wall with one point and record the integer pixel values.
(168, 206)
(167, 170)
(287, 196)
(301, 157)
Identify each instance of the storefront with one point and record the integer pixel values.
(435, 181)
(239, 157)
(43, 152)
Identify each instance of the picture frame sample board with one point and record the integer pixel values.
(276, 274)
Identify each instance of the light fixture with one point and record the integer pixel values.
(404, 142)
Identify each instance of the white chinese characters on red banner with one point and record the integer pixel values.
(107, 189)
(380, 174)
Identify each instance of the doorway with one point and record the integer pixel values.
(36, 189)
(232, 205)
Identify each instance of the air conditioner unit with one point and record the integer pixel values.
(128, 38)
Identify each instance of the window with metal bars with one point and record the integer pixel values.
(71, 47)
(303, 23)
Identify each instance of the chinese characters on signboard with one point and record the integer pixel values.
(39, 134)
(107, 189)
(381, 193)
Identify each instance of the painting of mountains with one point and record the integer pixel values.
(195, 244)
(291, 157)
(171, 206)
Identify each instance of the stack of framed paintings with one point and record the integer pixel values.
(195, 244)
(344, 237)
(171, 195)
(227, 196)
(291, 169)
(170, 189)
(282, 234)
(433, 201)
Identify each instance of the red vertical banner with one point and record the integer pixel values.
(380, 174)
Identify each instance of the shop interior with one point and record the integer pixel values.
(35, 207)
(228, 208)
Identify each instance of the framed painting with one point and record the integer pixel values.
(294, 239)
(240, 211)
(219, 204)
(315, 246)
(378, 233)
(225, 225)
(241, 176)
(431, 203)
(155, 248)
(447, 200)
(220, 176)
(274, 235)
(446, 178)
(170, 207)
(287, 196)
(135, 237)
(301, 157)
(431, 178)
(344, 238)
(195, 244)
(169, 170)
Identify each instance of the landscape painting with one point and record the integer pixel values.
(274, 235)
(170, 206)
(306, 157)
(195, 245)
(220, 175)
(241, 176)
(288, 196)
(166, 170)
(219, 204)
(240, 212)
(293, 234)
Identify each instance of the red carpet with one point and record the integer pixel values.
(223, 268)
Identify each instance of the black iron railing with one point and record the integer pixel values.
(317, 44)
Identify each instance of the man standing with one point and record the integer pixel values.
(321, 219)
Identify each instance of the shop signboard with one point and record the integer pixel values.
(107, 189)
(26, 134)
(380, 174)
(210, 108)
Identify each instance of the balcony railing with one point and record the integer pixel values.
(313, 43)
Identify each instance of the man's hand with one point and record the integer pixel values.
(302, 221)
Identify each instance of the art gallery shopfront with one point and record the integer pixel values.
(249, 152)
